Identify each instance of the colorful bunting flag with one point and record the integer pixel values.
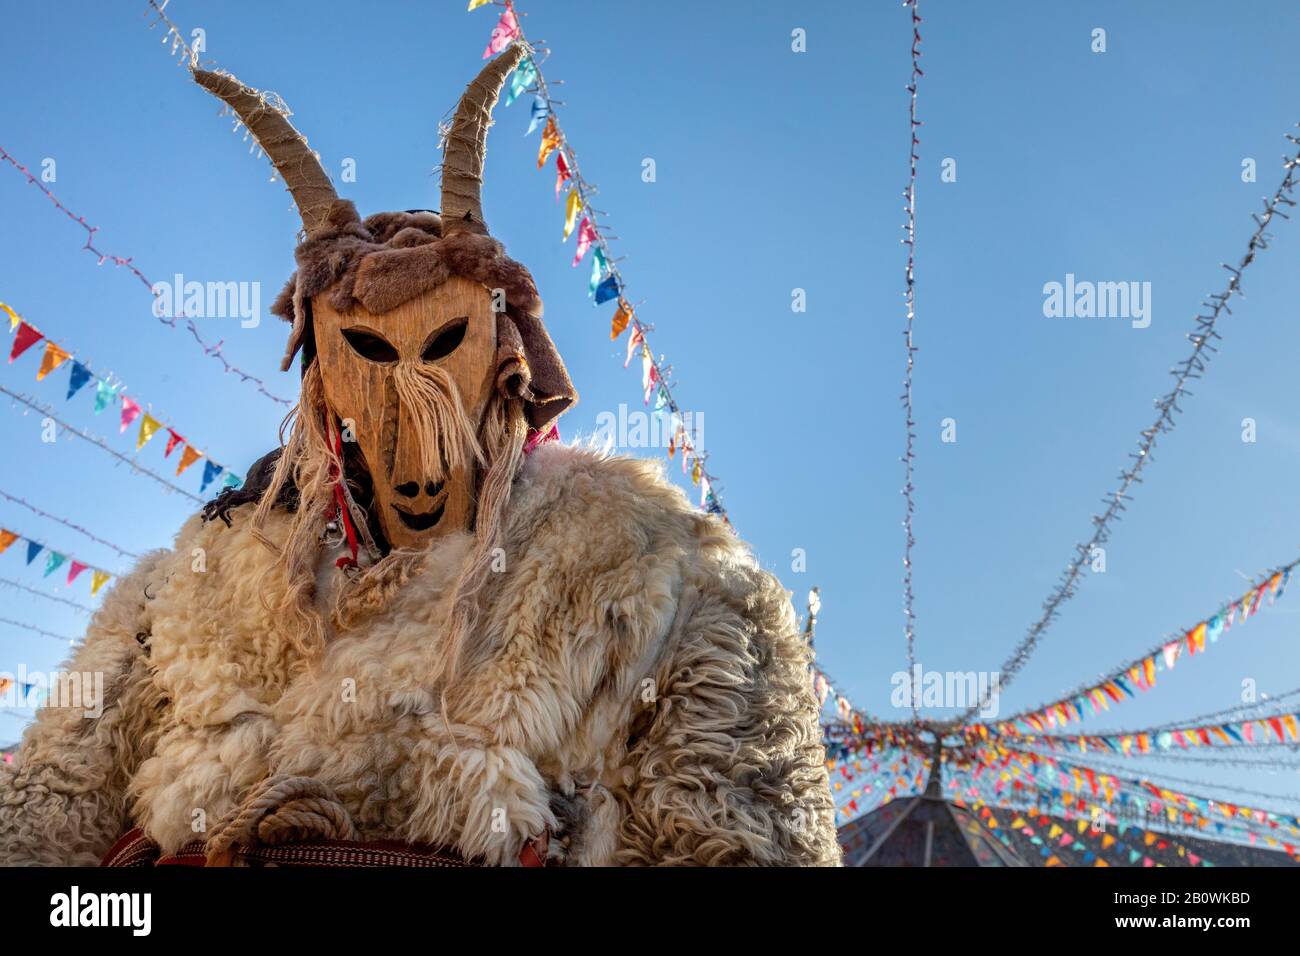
(231, 481)
(607, 290)
(105, 393)
(597, 271)
(33, 549)
(52, 562)
(210, 470)
(173, 440)
(130, 411)
(14, 317)
(550, 142)
(76, 568)
(571, 207)
(502, 34)
(79, 377)
(619, 322)
(54, 357)
(24, 339)
(148, 427)
(475, 4)
(97, 579)
(188, 457)
(562, 174)
(6, 538)
(524, 76)
(540, 111)
(586, 236)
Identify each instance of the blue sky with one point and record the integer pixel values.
(775, 171)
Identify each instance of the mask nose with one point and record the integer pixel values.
(411, 489)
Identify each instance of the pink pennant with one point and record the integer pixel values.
(77, 568)
(130, 412)
(586, 236)
(502, 34)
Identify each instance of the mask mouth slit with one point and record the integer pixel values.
(421, 522)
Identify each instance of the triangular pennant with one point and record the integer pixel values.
(33, 549)
(188, 457)
(80, 376)
(562, 174)
(97, 579)
(148, 426)
(597, 272)
(607, 290)
(130, 411)
(76, 568)
(53, 561)
(539, 112)
(104, 393)
(571, 207)
(586, 236)
(502, 34)
(6, 538)
(14, 317)
(210, 470)
(231, 481)
(525, 75)
(26, 337)
(54, 357)
(619, 322)
(550, 141)
(173, 440)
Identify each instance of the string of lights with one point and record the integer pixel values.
(67, 524)
(1191, 368)
(909, 296)
(19, 586)
(36, 630)
(98, 442)
(213, 350)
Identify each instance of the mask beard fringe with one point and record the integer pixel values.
(435, 410)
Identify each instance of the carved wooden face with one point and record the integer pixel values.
(417, 496)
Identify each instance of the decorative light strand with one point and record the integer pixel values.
(1192, 367)
(99, 442)
(125, 262)
(18, 585)
(37, 630)
(585, 191)
(909, 296)
(67, 524)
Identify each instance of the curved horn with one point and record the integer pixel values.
(293, 159)
(462, 164)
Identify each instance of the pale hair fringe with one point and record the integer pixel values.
(433, 403)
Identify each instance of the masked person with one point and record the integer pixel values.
(420, 634)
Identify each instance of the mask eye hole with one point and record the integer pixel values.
(370, 345)
(446, 340)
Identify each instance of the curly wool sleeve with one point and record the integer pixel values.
(63, 801)
(731, 769)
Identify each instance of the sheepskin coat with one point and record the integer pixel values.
(634, 681)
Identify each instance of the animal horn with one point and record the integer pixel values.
(462, 165)
(294, 161)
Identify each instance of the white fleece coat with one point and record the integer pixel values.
(634, 681)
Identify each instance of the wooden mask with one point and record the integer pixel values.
(365, 359)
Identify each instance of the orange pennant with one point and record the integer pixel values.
(6, 538)
(188, 457)
(52, 359)
(619, 322)
(550, 141)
